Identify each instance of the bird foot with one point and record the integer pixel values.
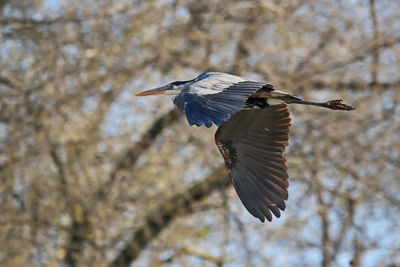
(338, 105)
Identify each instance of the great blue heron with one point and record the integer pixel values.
(254, 122)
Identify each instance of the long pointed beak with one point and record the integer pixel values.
(156, 91)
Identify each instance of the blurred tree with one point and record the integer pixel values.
(90, 176)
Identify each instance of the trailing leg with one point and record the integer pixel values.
(331, 104)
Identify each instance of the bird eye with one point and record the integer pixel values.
(171, 86)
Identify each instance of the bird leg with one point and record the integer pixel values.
(332, 104)
(336, 104)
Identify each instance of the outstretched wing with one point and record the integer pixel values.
(214, 97)
(252, 143)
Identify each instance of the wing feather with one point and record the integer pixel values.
(252, 143)
(203, 105)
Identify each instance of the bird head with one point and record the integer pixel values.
(173, 88)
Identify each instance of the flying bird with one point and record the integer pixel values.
(253, 130)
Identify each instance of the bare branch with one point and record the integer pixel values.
(157, 220)
(376, 38)
(219, 261)
(132, 154)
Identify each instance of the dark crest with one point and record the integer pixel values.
(177, 83)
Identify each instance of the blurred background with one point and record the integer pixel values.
(92, 176)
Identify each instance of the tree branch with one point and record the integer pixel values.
(158, 219)
(2, 4)
(354, 85)
(218, 261)
(9, 82)
(132, 154)
(375, 51)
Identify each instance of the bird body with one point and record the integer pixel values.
(254, 123)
